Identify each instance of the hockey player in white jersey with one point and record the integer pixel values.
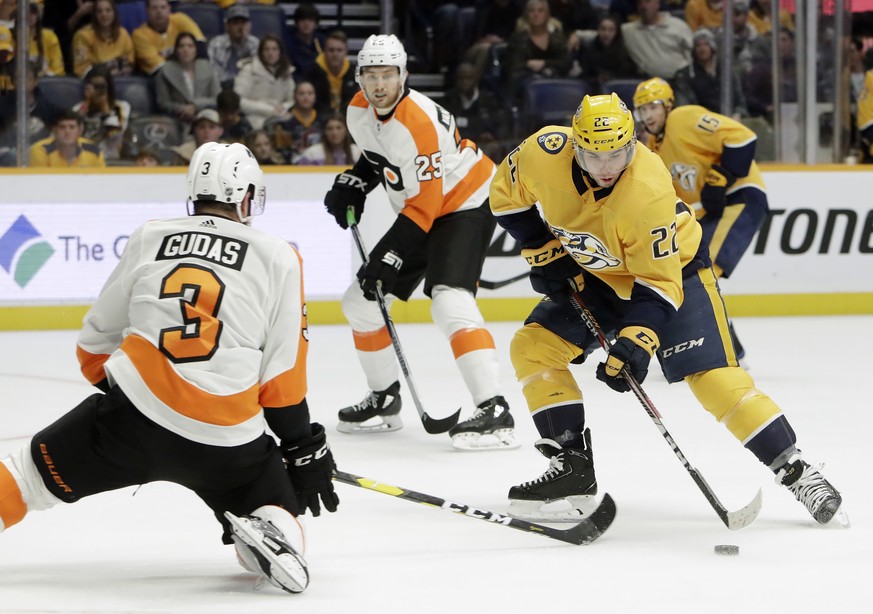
(198, 340)
(437, 184)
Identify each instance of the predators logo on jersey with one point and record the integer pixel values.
(552, 142)
(684, 176)
(586, 249)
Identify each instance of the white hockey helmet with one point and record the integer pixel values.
(226, 173)
(381, 50)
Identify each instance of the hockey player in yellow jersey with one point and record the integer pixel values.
(711, 158)
(613, 228)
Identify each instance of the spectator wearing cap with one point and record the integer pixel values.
(154, 40)
(186, 83)
(265, 83)
(700, 82)
(206, 128)
(237, 43)
(333, 75)
(306, 40)
(66, 148)
(658, 43)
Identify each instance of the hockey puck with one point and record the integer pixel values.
(727, 550)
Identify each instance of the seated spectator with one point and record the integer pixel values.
(306, 40)
(857, 68)
(234, 123)
(761, 19)
(747, 43)
(40, 110)
(186, 84)
(265, 83)
(147, 157)
(333, 75)
(605, 57)
(700, 82)
(494, 22)
(260, 144)
(105, 118)
(236, 44)
(478, 114)
(658, 43)
(302, 128)
(66, 147)
(154, 41)
(704, 14)
(7, 65)
(537, 49)
(103, 41)
(758, 83)
(575, 16)
(44, 49)
(206, 128)
(336, 147)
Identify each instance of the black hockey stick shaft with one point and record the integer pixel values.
(579, 534)
(733, 520)
(431, 425)
(494, 285)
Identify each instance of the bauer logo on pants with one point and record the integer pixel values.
(23, 251)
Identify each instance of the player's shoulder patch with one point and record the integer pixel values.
(552, 142)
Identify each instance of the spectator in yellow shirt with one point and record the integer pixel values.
(103, 41)
(154, 40)
(44, 49)
(66, 148)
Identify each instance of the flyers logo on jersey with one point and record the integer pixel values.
(586, 249)
(552, 142)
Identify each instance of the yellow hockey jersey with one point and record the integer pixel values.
(635, 236)
(865, 104)
(46, 153)
(694, 139)
(152, 48)
(89, 49)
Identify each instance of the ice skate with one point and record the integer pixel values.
(378, 412)
(809, 486)
(264, 549)
(490, 428)
(564, 493)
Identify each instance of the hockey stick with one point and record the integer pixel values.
(494, 285)
(733, 520)
(584, 532)
(431, 425)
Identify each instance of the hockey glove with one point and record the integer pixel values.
(632, 350)
(310, 465)
(552, 270)
(713, 194)
(383, 267)
(348, 191)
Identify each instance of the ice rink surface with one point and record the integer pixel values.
(157, 549)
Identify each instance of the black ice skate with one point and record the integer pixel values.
(809, 486)
(490, 428)
(565, 492)
(263, 549)
(378, 412)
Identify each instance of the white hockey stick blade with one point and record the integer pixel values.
(745, 516)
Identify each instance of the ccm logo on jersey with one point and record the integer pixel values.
(685, 345)
(212, 248)
(552, 142)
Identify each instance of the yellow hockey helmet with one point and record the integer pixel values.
(654, 90)
(603, 123)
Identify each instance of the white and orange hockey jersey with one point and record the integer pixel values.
(201, 324)
(425, 166)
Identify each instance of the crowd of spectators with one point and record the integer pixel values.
(285, 93)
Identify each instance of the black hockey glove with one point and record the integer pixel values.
(552, 270)
(387, 257)
(632, 350)
(310, 465)
(348, 190)
(713, 194)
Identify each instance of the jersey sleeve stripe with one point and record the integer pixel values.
(469, 340)
(12, 506)
(475, 179)
(91, 364)
(372, 341)
(186, 399)
(422, 208)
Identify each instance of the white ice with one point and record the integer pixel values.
(156, 549)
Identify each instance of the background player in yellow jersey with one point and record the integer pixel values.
(711, 158)
(865, 117)
(613, 227)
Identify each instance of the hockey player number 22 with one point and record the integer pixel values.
(199, 291)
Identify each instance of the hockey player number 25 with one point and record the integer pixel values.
(199, 291)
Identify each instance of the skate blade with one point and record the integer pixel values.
(376, 424)
(501, 439)
(840, 519)
(287, 570)
(568, 509)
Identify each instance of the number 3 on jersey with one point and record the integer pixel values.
(199, 291)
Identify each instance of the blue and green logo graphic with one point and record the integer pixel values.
(23, 251)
